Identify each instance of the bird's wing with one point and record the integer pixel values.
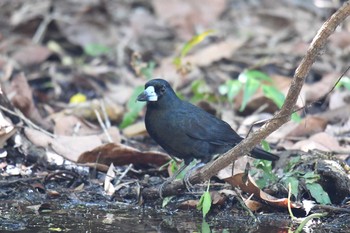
(204, 126)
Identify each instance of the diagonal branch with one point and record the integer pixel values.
(279, 118)
(284, 114)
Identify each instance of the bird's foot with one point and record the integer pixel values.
(169, 180)
(165, 183)
(188, 174)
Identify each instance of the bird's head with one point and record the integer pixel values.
(155, 90)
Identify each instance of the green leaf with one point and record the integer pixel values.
(318, 193)
(267, 176)
(296, 117)
(278, 98)
(275, 95)
(166, 201)
(205, 227)
(134, 108)
(307, 219)
(189, 45)
(294, 182)
(254, 74)
(204, 203)
(344, 82)
(291, 163)
(250, 87)
(194, 41)
(95, 50)
(231, 89)
(265, 145)
(175, 168)
(311, 177)
(201, 91)
(148, 71)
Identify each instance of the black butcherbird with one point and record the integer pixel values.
(186, 131)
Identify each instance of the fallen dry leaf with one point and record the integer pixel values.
(23, 100)
(68, 147)
(321, 141)
(188, 204)
(309, 126)
(32, 54)
(339, 99)
(340, 39)
(318, 89)
(217, 198)
(253, 205)
(214, 52)
(29, 11)
(185, 15)
(138, 128)
(69, 125)
(119, 155)
(6, 130)
(86, 110)
(108, 186)
(250, 187)
(85, 25)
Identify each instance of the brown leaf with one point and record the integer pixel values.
(253, 205)
(29, 11)
(23, 100)
(6, 130)
(250, 187)
(87, 109)
(217, 198)
(188, 204)
(309, 126)
(135, 129)
(214, 52)
(318, 89)
(31, 54)
(339, 99)
(68, 147)
(86, 24)
(65, 125)
(119, 154)
(185, 15)
(340, 39)
(321, 141)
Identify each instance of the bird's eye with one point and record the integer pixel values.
(162, 89)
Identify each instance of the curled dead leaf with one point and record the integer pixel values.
(247, 184)
(119, 155)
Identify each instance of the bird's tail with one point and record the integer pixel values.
(262, 154)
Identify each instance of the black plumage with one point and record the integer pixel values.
(186, 131)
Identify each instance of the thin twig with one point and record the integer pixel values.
(103, 126)
(26, 120)
(105, 114)
(123, 174)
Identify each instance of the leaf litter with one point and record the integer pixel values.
(53, 50)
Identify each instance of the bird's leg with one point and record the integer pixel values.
(187, 182)
(170, 179)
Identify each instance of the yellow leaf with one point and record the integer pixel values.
(77, 98)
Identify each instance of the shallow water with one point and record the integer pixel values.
(117, 218)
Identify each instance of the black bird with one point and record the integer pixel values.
(186, 131)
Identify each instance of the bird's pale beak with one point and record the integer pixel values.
(148, 95)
